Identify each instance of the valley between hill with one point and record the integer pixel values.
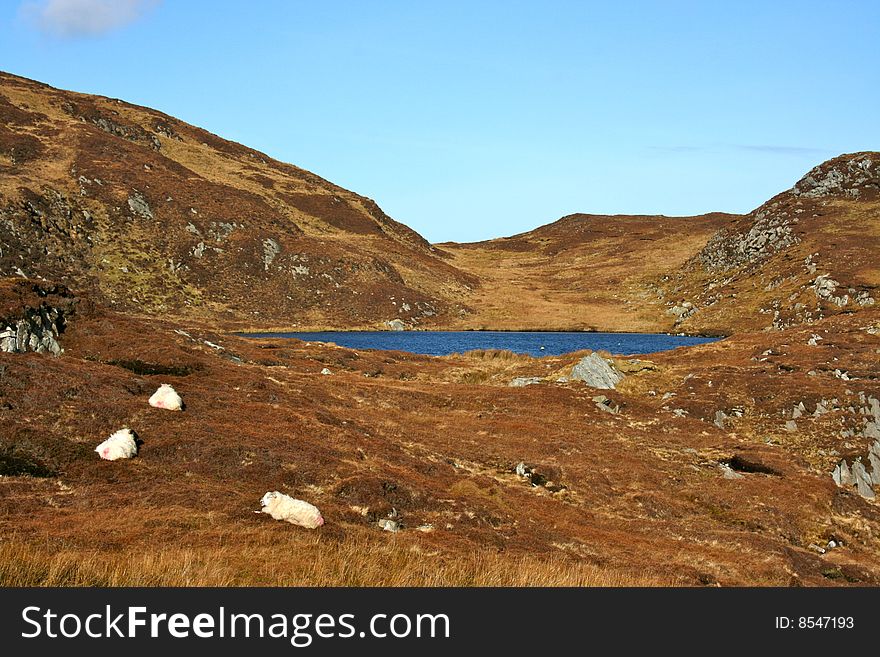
(131, 245)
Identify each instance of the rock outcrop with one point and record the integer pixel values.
(596, 372)
(522, 381)
(801, 256)
(770, 232)
(37, 331)
(857, 475)
(32, 317)
(842, 176)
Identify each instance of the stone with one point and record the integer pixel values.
(729, 249)
(396, 325)
(824, 287)
(595, 372)
(389, 525)
(862, 480)
(326, 372)
(605, 404)
(791, 425)
(720, 417)
(874, 461)
(842, 475)
(522, 381)
(37, 331)
(729, 473)
(271, 248)
(682, 311)
(842, 176)
(138, 204)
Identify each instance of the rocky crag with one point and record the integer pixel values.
(808, 253)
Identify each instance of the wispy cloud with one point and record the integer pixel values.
(771, 149)
(84, 18)
(679, 149)
(782, 150)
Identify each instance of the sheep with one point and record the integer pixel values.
(283, 507)
(121, 445)
(166, 397)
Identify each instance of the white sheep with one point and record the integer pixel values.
(166, 397)
(283, 507)
(121, 445)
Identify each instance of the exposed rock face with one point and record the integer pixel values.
(33, 323)
(138, 204)
(804, 254)
(681, 311)
(271, 248)
(825, 286)
(857, 475)
(849, 177)
(771, 226)
(770, 232)
(596, 372)
(37, 331)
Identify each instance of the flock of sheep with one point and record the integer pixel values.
(124, 445)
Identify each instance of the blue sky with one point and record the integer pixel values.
(471, 120)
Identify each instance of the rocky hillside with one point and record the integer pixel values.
(807, 253)
(148, 214)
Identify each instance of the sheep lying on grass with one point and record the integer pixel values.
(166, 397)
(121, 445)
(283, 507)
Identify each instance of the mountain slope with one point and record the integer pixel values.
(807, 253)
(582, 272)
(150, 214)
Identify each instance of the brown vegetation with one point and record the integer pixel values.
(660, 492)
(641, 491)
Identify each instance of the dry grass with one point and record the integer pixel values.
(495, 355)
(25, 564)
(490, 366)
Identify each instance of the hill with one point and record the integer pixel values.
(131, 243)
(805, 254)
(582, 272)
(148, 214)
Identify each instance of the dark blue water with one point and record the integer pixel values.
(441, 343)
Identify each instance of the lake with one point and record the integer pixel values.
(441, 343)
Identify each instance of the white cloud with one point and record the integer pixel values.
(84, 18)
